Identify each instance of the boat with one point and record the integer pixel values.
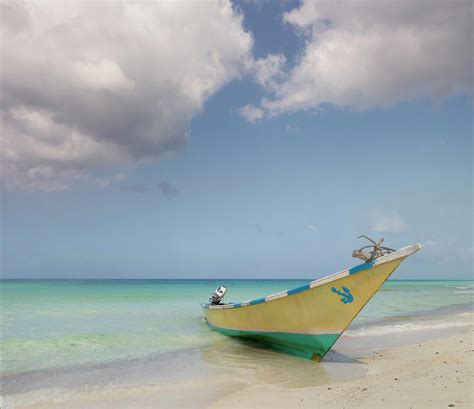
(308, 320)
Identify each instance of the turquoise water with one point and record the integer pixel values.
(64, 323)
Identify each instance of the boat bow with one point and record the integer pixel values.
(306, 321)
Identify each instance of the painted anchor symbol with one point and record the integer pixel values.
(345, 293)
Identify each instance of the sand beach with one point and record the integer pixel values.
(436, 373)
(433, 374)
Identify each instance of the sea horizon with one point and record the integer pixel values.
(214, 279)
(91, 334)
(62, 322)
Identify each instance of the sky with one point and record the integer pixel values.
(244, 139)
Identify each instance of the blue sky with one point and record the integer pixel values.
(214, 192)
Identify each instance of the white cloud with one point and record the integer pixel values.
(391, 223)
(448, 251)
(312, 227)
(430, 244)
(251, 113)
(103, 75)
(102, 182)
(365, 54)
(268, 70)
(88, 85)
(120, 176)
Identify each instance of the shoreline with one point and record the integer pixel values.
(431, 373)
(429, 323)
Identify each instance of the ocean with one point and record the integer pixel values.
(51, 324)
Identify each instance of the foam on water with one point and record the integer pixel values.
(405, 328)
(71, 323)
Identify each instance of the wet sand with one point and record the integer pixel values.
(433, 374)
(430, 374)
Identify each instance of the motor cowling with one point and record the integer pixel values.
(218, 295)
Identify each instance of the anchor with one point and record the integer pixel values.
(346, 295)
(377, 250)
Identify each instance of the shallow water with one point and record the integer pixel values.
(84, 323)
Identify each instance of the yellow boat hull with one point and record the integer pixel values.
(308, 320)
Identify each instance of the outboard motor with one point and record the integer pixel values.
(218, 295)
